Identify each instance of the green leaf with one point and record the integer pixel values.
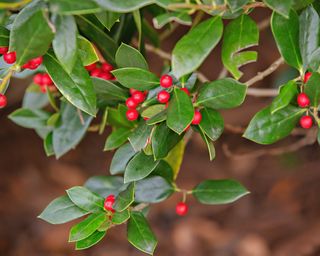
(61, 210)
(91, 240)
(163, 170)
(123, 6)
(65, 41)
(125, 198)
(309, 34)
(121, 158)
(73, 7)
(287, 93)
(180, 111)
(30, 118)
(87, 227)
(108, 19)
(175, 158)
(117, 117)
(87, 53)
(312, 89)
(286, 34)
(219, 191)
(31, 34)
(140, 234)
(105, 185)
(157, 118)
(4, 36)
(140, 136)
(180, 17)
(136, 78)
(282, 7)
(120, 217)
(139, 167)
(76, 86)
(185, 57)
(163, 141)
(85, 199)
(71, 129)
(107, 91)
(117, 138)
(34, 98)
(212, 123)
(267, 128)
(300, 4)
(48, 145)
(127, 56)
(153, 110)
(222, 94)
(209, 143)
(236, 4)
(153, 190)
(240, 34)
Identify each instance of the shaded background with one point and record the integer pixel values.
(279, 217)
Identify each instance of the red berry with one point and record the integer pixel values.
(106, 67)
(306, 122)
(96, 72)
(108, 203)
(307, 77)
(166, 81)
(131, 103)
(105, 76)
(37, 79)
(132, 91)
(36, 61)
(46, 79)
(138, 97)
(9, 57)
(43, 88)
(3, 101)
(111, 198)
(132, 114)
(26, 66)
(303, 100)
(3, 49)
(91, 67)
(197, 118)
(185, 90)
(163, 97)
(181, 209)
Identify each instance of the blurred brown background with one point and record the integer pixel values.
(280, 217)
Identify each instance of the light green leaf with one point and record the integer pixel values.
(73, 7)
(121, 158)
(90, 241)
(287, 93)
(312, 89)
(120, 217)
(123, 6)
(105, 185)
(125, 198)
(30, 118)
(140, 136)
(282, 7)
(128, 56)
(212, 123)
(117, 138)
(108, 19)
(165, 18)
(175, 158)
(87, 53)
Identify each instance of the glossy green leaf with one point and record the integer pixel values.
(153, 190)
(140, 136)
(4, 36)
(48, 145)
(61, 210)
(85, 199)
(117, 117)
(286, 94)
(117, 138)
(219, 191)
(70, 130)
(136, 78)
(76, 86)
(121, 158)
(65, 41)
(107, 91)
(157, 118)
(123, 6)
(212, 123)
(208, 142)
(165, 18)
(105, 185)
(175, 158)
(120, 217)
(282, 7)
(108, 19)
(180, 111)
(185, 57)
(73, 7)
(127, 56)
(91, 240)
(125, 198)
(222, 94)
(153, 110)
(87, 227)
(240, 34)
(139, 167)
(286, 35)
(267, 128)
(34, 98)
(87, 53)
(140, 234)
(163, 170)
(312, 89)
(30, 118)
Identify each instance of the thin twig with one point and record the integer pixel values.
(80, 116)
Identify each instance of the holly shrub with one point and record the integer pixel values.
(89, 67)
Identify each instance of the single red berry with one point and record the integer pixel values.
(132, 91)
(111, 198)
(37, 79)
(3, 101)
(197, 118)
(9, 57)
(163, 97)
(106, 67)
(138, 97)
(105, 75)
(26, 66)
(95, 73)
(185, 90)
(91, 67)
(181, 209)
(131, 103)
(307, 77)
(132, 114)
(3, 49)
(108, 203)
(303, 100)
(306, 122)
(46, 79)
(166, 81)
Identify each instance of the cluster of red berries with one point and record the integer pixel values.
(137, 97)
(108, 203)
(102, 70)
(44, 81)
(303, 102)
